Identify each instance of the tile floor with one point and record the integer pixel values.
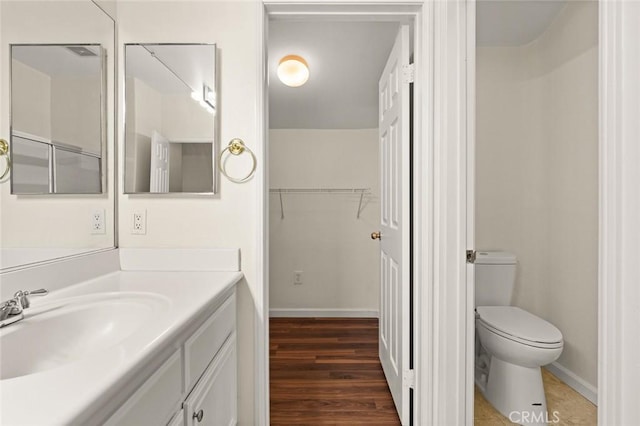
(571, 407)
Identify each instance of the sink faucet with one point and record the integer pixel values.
(11, 310)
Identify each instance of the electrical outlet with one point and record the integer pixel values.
(97, 222)
(297, 277)
(139, 222)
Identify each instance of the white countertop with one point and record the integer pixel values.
(74, 392)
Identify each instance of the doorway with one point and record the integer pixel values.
(536, 210)
(326, 169)
(439, 188)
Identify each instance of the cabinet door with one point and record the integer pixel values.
(205, 343)
(178, 419)
(213, 401)
(155, 401)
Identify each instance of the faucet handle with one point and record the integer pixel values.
(22, 296)
(5, 310)
(10, 307)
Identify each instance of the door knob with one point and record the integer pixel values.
(199, 415)
(375, 235)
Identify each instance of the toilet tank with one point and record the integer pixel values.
(495, 278)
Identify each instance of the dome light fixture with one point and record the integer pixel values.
(293, 70)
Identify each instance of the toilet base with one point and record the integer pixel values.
(517, 392)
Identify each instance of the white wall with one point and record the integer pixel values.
(197, 167)
(142, 120)
(54, 221)
(537, 174)
(147, 108)
(180, 109)
(320, 234)
(177, 118)
(31, 98)
(60, 108)
(76, 112)
(227, 219)
(175, 167)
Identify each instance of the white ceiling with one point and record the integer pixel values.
(58, 61)
(345, 61)
(193, 63)
(514, 22)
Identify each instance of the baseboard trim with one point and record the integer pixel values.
(327, 313)
(574, 381)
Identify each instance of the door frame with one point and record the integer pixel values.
(441, 320)
(615, 222)
(619, 206)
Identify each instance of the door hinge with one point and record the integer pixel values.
(409, 378)
(471, 256)
(408, 73)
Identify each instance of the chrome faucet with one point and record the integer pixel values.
(12, 310)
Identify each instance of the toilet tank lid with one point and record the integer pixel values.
(495, 258)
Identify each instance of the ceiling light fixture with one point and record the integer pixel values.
(293, 71)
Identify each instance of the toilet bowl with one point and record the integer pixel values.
(518, 344)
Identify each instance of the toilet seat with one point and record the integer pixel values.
(521, 326)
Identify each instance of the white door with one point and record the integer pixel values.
(394, 222)
(159, 163)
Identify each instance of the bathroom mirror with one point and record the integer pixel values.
(170, 104)
(57, 111)
(57, 119)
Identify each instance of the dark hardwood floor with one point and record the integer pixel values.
(326, 371)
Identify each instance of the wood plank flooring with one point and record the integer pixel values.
(326, 371)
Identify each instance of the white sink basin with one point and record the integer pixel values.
(58, 332)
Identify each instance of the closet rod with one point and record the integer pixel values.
(320, 190)
(361, 191)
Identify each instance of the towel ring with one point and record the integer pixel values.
(4, 152)
(236, 147)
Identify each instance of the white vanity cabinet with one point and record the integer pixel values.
(196, 385)
(213, 401)
(178, 419)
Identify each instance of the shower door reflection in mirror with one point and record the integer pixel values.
(170, 104)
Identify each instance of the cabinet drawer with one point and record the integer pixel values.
(156, 400)
(203, 345)
(213, 401)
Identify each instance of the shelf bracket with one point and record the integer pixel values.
(281, 207)
(360, 204)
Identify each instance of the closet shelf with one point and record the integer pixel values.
(360, 191)
(321, 190)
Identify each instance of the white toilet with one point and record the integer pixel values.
(513, 343)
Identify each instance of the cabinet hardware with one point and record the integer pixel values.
(199, 415)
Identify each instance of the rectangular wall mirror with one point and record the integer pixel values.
(57, 119)
(57, 111)
(170, 104)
